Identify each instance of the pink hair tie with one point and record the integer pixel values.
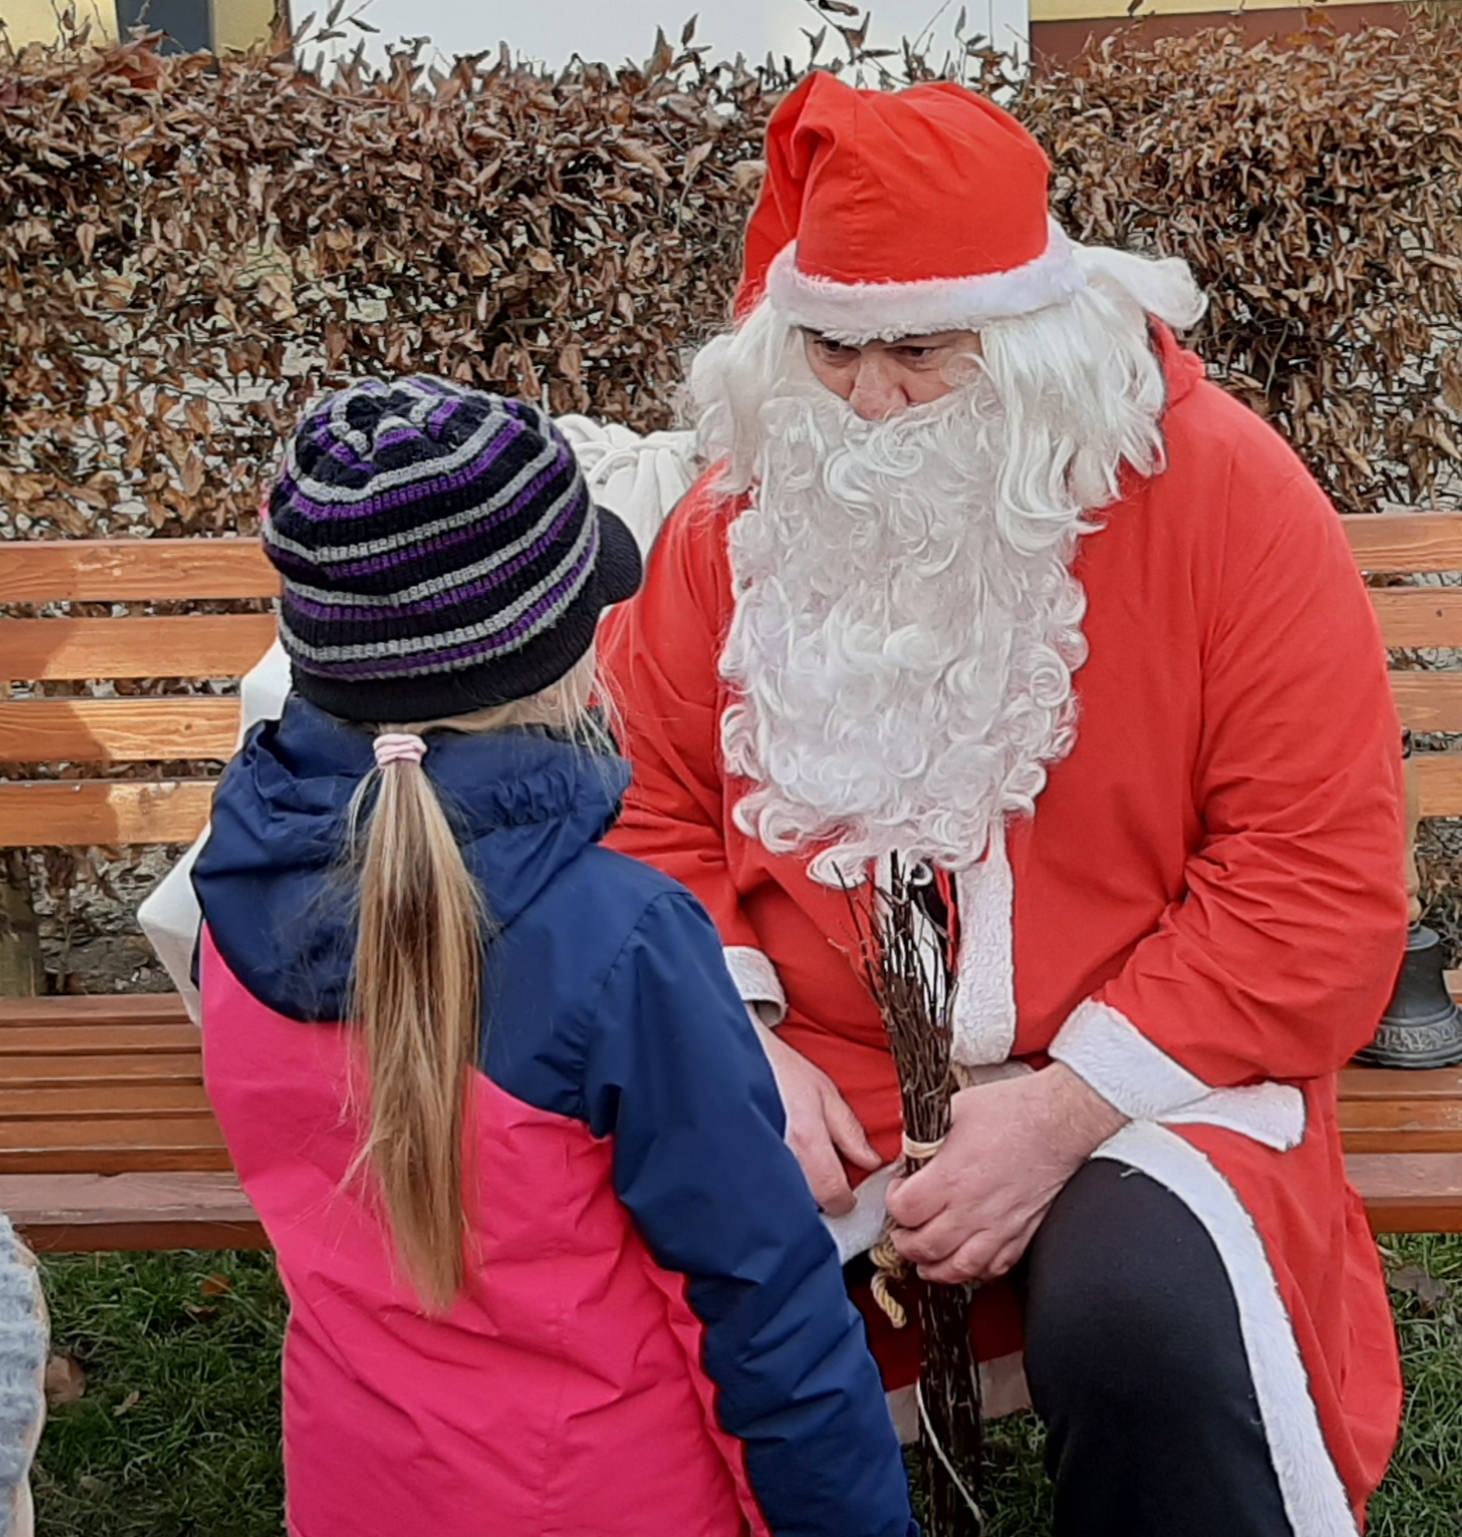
(398, 747)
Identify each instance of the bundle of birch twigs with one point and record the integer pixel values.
(907, 954)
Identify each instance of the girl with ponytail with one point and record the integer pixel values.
(495, 1098)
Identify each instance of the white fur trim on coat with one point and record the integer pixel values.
(984, 1001)
(862, 1227)
(1003, 1390)
(860, 312)
(1131, 1072)
(757, 981)
(1314, 1496)
(1122, 1064)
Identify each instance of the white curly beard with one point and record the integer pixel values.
(904, 639)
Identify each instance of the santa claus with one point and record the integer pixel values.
(986, 574)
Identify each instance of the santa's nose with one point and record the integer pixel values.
(877, 391)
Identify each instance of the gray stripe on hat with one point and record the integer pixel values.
(322, 656)
(458, 576)
(318, 555)
(330, 495)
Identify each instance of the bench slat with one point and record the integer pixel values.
(109, 1144)
(1429, 701)
(55, 1069)
(96, 1039)
(134, 570)
(91, 1212)
(85, 1101)
(1368, 1084)
(1411, 1192)
(110, 1009)
(172, 646)
(1406, 541)
(117, 730)
(1426, 617)
(77, 813)
(1440, 776)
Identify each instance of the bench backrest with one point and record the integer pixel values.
(201, 729)
(1420, 618)
(156, 730)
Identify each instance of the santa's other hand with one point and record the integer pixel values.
(821, 1130)
(969, 1213)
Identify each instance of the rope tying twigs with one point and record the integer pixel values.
(888, 1264)
(888, 1267)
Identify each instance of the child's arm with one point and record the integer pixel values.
(675, 1075)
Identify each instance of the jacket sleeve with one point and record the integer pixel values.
(661, 655)
(1278, 959)
(675, 1075)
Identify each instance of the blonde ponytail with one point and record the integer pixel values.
(416, 994)
(416, 998)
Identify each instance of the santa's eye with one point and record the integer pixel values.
(833, 352)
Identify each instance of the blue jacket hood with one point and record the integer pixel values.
(275, 891)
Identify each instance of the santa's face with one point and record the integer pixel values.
(879, 379)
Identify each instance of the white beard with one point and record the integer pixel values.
(904, 636)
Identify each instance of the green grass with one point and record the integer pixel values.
(178, 1433)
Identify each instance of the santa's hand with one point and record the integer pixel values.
(969, 1213)
(820, 1126)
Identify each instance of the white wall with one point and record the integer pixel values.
(613, 30)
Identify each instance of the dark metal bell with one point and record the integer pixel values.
(1421, 1027)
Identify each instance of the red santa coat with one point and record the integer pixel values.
(1204, 917)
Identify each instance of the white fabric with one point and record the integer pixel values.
(862, 1227)
(984, 1001)
(1128, 1070)
(1003, 1390)
(1104, 1047)
(757, 981)
(1314, 1497)
(640, 478)
(860, 312)
(170, 916)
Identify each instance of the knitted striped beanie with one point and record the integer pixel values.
(439, 550)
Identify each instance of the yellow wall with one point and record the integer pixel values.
(239, 23)
(1094, 10)
(34, 21)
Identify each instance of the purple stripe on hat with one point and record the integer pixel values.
(356, 613)
(415, 491)
(509, 639)
(444, 413)
(400, 435)
(322, 435)
(471, 531)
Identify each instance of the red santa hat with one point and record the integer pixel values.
(899, 214)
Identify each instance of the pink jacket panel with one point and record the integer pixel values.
(561, 1397)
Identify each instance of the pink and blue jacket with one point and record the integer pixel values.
(654, 1337)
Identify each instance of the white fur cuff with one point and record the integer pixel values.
(757, 981)
(1122, 1065)
(1105, 1048)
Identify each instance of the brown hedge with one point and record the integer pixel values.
(190, 246)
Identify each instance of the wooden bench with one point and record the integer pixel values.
(106, 1138)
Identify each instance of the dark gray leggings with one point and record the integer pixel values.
(1137, 1366)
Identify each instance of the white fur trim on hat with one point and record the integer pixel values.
(861, 312)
